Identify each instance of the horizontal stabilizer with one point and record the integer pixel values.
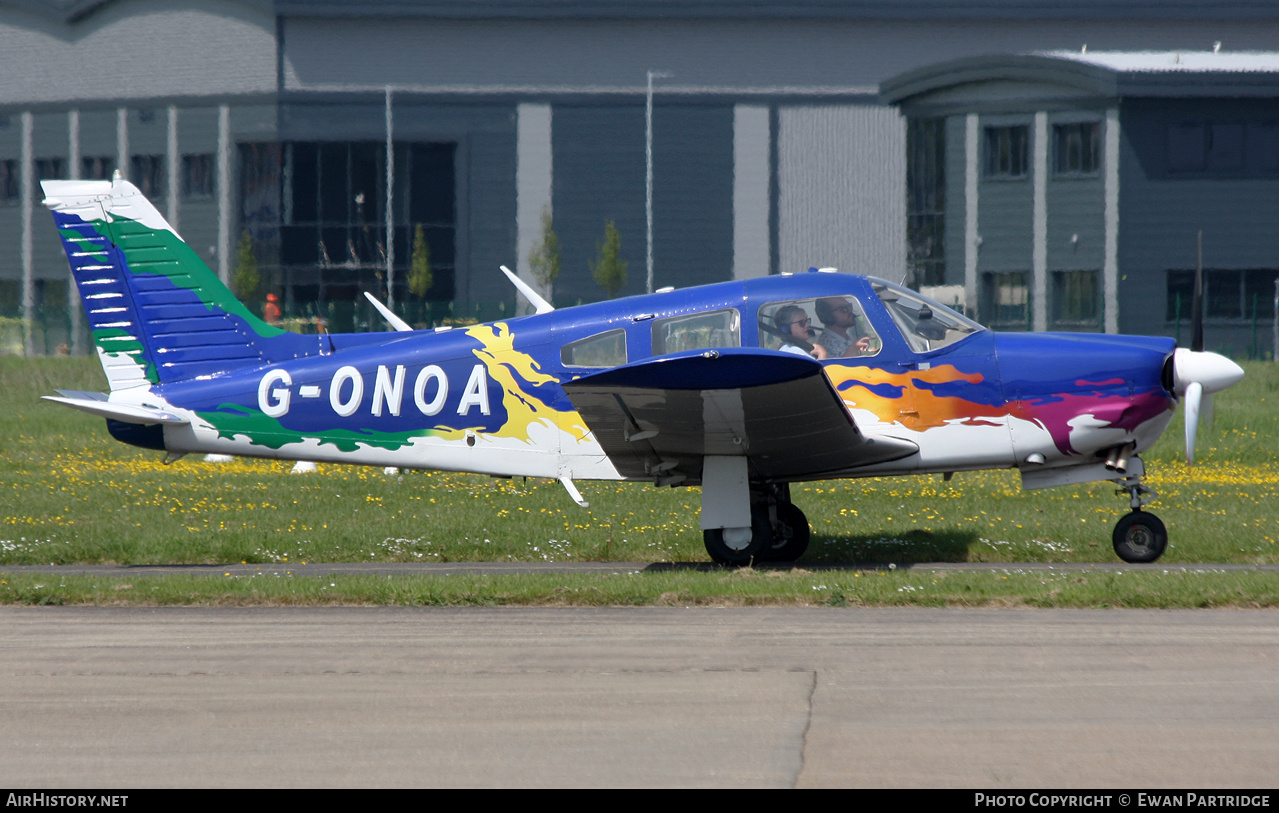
(659, 417)
(96, 403)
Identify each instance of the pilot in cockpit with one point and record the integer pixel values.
(839, 337)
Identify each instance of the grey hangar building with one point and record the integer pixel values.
(1044, 165)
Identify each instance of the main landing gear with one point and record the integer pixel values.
(1139, 537)
(778, 533)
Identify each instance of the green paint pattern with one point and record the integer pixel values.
(114, 341)
(233, 420)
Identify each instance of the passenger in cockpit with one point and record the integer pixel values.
(793, 321)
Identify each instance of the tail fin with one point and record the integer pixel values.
(156, 312)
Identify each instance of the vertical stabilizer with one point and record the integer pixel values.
(155, 310)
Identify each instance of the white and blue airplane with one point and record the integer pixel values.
(740, 387)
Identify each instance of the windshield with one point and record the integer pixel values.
(926, 325)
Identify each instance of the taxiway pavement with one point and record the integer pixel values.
(763, 697)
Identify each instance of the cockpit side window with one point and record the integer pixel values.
(926, 325)
(826, 327)
(697, 330)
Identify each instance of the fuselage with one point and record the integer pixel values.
(488, 398)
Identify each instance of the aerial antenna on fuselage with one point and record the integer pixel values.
(391, 319)
(539, 304)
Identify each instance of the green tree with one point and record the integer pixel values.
(609, 269)
(420, 279)
(246, 280)
(544, 257)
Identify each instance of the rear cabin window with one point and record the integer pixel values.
(697, 330)
(601, 350)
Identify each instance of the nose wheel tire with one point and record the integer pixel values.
(1140, 537)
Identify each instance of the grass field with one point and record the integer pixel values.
(74, 495)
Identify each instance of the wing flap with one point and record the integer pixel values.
(659, 417)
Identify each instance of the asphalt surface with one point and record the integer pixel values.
(637, 697)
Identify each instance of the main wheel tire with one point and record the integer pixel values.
(1140, 537)
(725, 553)
(790, 534)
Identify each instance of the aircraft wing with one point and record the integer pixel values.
(659, 417)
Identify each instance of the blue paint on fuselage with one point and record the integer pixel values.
(1044, 366)
(453, 352)
(882, 390)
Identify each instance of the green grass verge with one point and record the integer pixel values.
(1151, 588)
(71, 494)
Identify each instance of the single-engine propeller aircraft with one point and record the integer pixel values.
(740, 387)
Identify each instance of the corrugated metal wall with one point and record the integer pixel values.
(842, 178)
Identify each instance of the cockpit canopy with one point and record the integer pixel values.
(925, 324)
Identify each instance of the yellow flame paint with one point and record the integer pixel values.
(508, 367)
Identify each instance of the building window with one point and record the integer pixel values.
(10, 182)
(926, 201)
(1228, 294)
(147, 174)
(1186, 147)
(316, 212)
(1261, 148)
(1225, 148)
(97, 167)
(48, 169)
(1005, 300)
(1223, 294)
(197, 176)
(11, 297)
(51, 169)
(1077, 148)
(1238, 149)
(1006, 151)
(1076, 298)
(1181, 292)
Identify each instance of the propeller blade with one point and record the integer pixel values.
(1197, 303)
(1194, 393)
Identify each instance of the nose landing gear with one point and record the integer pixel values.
(1139, 537)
